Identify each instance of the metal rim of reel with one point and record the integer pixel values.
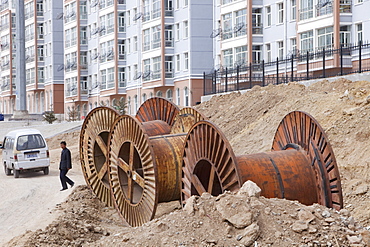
(185, 119)
(132, 172)
(201, 159)
(157, 108)
(302, 129)
(94, 151)
(208, 162)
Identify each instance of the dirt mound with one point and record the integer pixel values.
(72, 138)
(230, 219)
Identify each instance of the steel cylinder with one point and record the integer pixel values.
(280, 174)
(156, 127)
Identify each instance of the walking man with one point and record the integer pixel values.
(64, 166)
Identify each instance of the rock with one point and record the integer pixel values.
(206, 196)
(239, 237)
(312, 229)
(300, 226)
(344, 212)
(325, 214)
(306, 216)
(267, 210)
(278, 234)
(329, 220)
(250, 234)
(189, 206)
(365, 237)
(250, 189)
(354, 239)
(240, 216)
(361, 189)
(349, 112)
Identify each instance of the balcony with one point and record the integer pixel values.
(324, 8)
(169, 43)
(156, 74)
(168, 12)
(305, 13)
(156, 43)
(257, 28)
(345, 6)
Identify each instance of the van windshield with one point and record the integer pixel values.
(30, 142)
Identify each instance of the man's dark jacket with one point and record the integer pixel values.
(65, 160)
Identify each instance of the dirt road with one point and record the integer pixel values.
(28, 203)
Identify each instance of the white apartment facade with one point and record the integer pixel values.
(44, 54)
(134, 50)
(250, 31)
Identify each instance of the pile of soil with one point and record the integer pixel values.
(249, 121)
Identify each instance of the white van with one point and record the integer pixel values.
(25, 149)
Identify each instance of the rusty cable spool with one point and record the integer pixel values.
(301, 165)
(94, 150)
(185, 119)
(144, 170)
(157, 108)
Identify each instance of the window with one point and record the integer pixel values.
(227, 26)
(345, 35)
(40, 30)
(168, 63)
(257, 21)
(40, 75)
(293, 46)
(168, 36)
(280, 12)
(121, 22)
(83, 34)
(156, 34)
(359, 32)
(306, 41)
(186, 96)
(26, 142)
(240, 17)
(169, 95)
(306, 9)
(178, 63)
(325, 38)
(156, 8)
(103, 79)
(177, 31)
(186, 61)
(121, 77)
(256, 53)
(146, 40)
(40, 53)
(144, 97)
(228, 58)
(121, 50)
(83, 10)
(268, 53)
(186, 3)
(268, 16)
(186, 29)
(110, 23)
(280, 50)
(110, 77)
(178, 96)
(135, 43)
(293, 13)
(156, 67)
(241, 55)
(146, 72)
(103, 28)
(159, 93)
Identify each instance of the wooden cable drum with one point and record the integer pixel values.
(157, 108)
(144, 170)
(94, 151)
(301, 165)
(185, 119)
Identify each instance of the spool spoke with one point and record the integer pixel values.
(198, 185)
(211, 180)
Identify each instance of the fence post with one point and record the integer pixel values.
(226, 81)
(263, 73)
(360, 57)
(277, 70)
(291, 68)
(341, 59)
(237, 77)
(250, 75)
(214, 84)
(307, 65)
(323, 63)
(204, 83)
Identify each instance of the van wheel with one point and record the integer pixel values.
(7, 170)
(16, 173)
(46, 170)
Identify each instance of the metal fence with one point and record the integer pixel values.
(329, 62)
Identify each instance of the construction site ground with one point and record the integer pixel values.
(33, 212)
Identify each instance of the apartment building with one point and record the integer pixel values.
(247, 32)
(133, 50)
(44, 56)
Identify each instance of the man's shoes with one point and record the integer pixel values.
(63, 189)
(72, 185)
